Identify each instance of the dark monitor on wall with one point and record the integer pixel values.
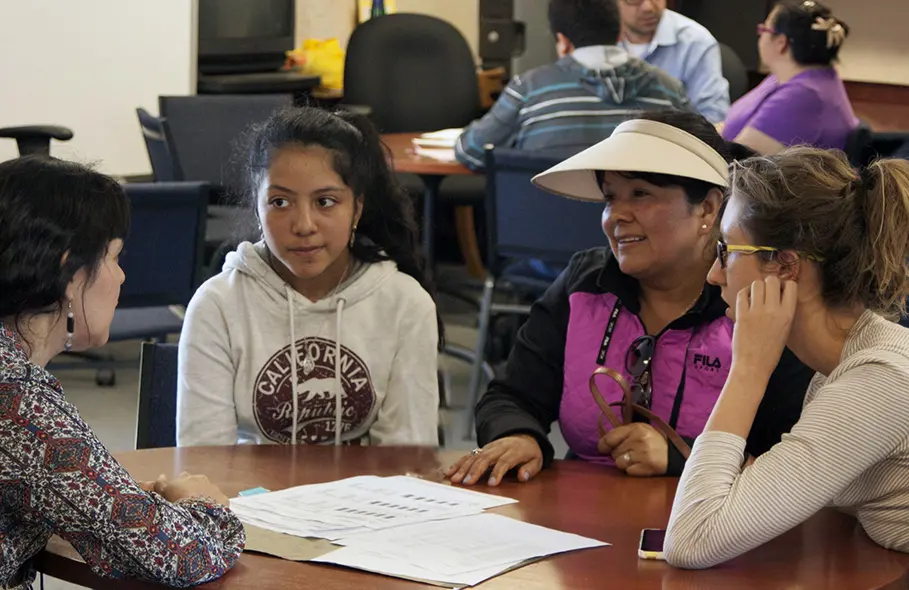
(240, 36)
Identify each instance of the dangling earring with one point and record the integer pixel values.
(353, 236)
(70, 328)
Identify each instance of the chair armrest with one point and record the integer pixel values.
(34, 131)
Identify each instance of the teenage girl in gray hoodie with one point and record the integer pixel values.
(332, 303)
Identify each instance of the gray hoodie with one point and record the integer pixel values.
(375, 341)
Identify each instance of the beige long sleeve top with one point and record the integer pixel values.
(849, 450)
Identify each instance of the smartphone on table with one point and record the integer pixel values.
(651, 546)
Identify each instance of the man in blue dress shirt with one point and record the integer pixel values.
(680, 47)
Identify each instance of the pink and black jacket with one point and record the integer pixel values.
(557, 349)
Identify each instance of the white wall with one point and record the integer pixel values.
(877, 49)
(463, 14)
(87, 65)
(323, 19)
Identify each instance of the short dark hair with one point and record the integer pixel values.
(798, 21)
(695, 124)
(586, 22)
(50, 208)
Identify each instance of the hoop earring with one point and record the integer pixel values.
(70, 328)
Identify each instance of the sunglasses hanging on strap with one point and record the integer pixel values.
(629, 409)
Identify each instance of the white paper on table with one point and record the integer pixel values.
(359, 504)
(406, 485)
(362, 559)
(464, 551)
(442, 138)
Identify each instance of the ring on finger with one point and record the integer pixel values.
(627, 458)
(476, 451)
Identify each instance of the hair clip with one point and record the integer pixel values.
(836, 34)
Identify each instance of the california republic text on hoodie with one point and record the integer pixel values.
(377, 337)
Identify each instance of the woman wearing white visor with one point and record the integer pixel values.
(634, 320)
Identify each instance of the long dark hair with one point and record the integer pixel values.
(387, 229)
(49, 209)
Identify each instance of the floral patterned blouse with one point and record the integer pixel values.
(57, 478)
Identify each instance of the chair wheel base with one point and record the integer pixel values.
(106, 378)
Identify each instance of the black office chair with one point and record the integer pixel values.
(858, 145)
(525, 223)
(415, 72)
(162, 260)
(36, 139)
(156, 419)
(734, 71)
(162, 257)
(202, 131)
(164, 167)
(202, 134)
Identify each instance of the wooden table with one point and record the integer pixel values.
(432, 173)
(829, 551)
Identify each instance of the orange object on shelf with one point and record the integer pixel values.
(492, 83)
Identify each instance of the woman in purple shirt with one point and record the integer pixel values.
(803, 100)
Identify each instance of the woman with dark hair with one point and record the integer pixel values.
(813, 256)
(803, 100)
(62, 231)
(638, 311)
(325, 331)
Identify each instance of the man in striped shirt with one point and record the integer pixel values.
(577, 101)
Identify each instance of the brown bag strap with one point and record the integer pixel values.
(629, 409)
(601, 401)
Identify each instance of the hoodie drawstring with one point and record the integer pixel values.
(338, 390)
(618, 95)
(293, 361)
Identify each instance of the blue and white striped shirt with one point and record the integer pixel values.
(567, 106)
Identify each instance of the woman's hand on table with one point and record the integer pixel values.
(500, 456)
(189, 486)
(638, 449)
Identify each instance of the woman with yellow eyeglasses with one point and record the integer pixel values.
(813, 257)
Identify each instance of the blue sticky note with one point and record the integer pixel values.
(254, 491)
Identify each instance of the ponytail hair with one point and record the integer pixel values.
(882, 193)
(387, 229)
(855, 222)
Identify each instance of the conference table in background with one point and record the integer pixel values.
(432, 172)
(829, 551)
